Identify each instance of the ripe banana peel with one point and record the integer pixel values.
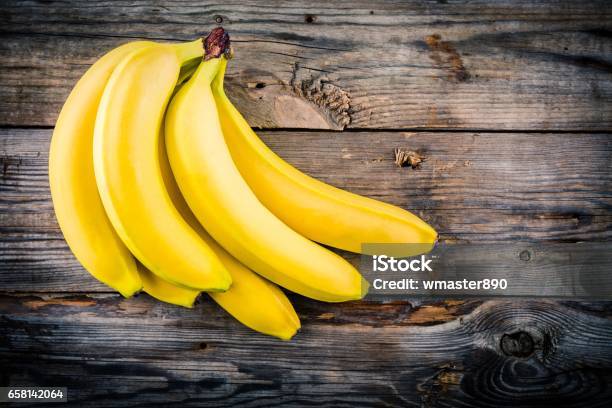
(316, 210)
(128, 172)
(76, 201)
(256, 302)
(253, 301)
(225, 205)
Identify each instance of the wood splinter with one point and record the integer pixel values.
(410, 158)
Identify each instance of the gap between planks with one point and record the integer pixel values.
(379, 130)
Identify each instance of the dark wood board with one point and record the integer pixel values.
(393, 64)
(114, 352)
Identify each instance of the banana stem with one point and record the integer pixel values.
(215, 45)
(208, 70)
(216, 50)
(217, 83)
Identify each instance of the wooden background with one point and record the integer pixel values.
(511, 102)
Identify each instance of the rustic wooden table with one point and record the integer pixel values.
(511, 101)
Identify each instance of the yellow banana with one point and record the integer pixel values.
(128, 173)
(165, 291)
(318, 211)
(252, 300)
(76, 201)
(228, 209)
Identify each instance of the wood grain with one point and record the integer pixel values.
(455, 67)
(110, 351)
(473, 188)
(392, 64)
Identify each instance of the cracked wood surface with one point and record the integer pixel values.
(492, 354)
(394, 64)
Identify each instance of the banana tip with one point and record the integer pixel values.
(288, 335)
(365, 286)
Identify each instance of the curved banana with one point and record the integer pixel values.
(318, 211)
(128, 174)
(251, 299)
(256, 302)
(228, 209)
(76, 201)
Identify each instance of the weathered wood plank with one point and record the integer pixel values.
(393, 64)
(114, 352)
(473, 187)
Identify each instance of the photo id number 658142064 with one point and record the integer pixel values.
(33, 394)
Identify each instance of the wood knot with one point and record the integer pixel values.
(519, 344)
(525, 256)
(408, 158)
(309, 18)
(331, 100)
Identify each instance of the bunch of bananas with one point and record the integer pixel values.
(159, 184)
